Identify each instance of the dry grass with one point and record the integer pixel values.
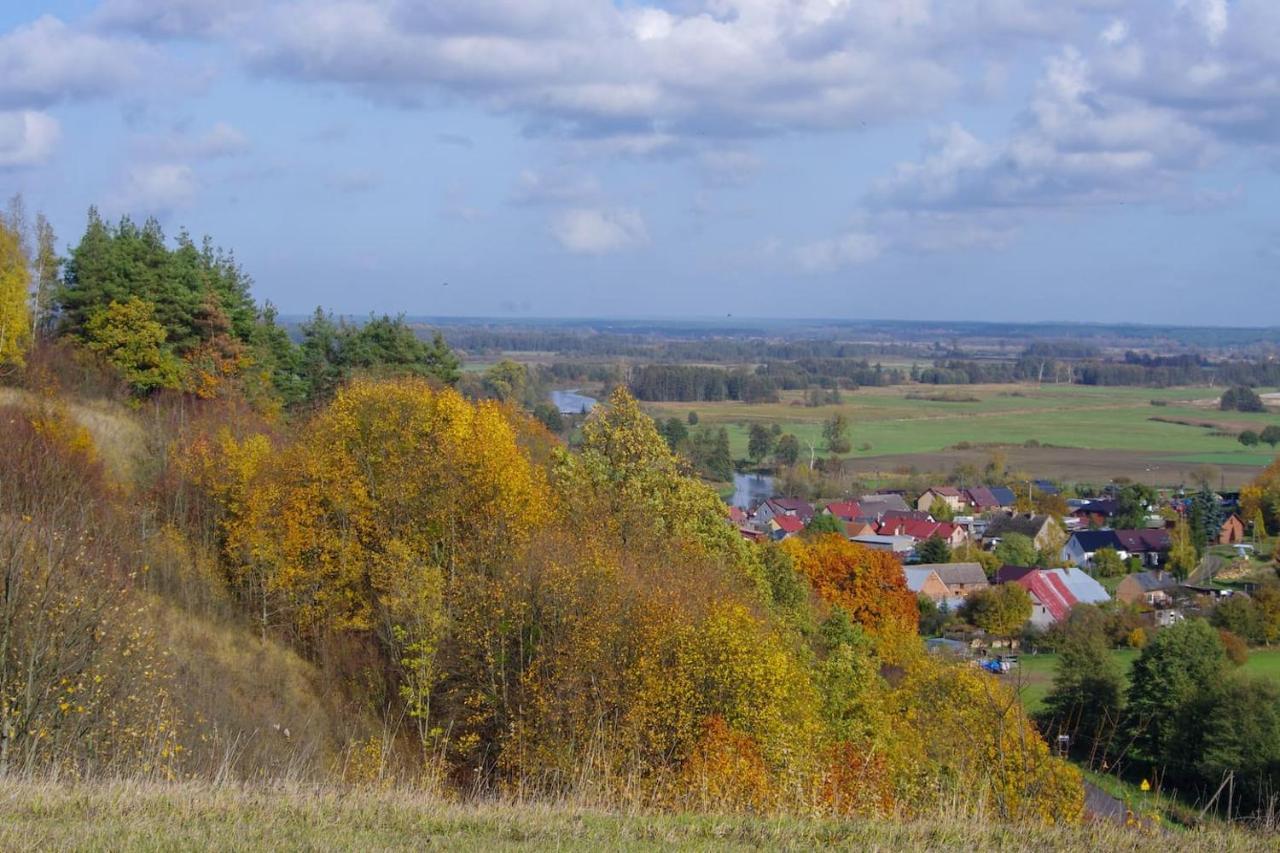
(117, 435)
(145, 816)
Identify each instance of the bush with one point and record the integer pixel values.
(1236, 649)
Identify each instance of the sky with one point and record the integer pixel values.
(1075, 160)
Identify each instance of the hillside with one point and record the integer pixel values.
(141, 816)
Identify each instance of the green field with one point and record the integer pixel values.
(1083, 420)
(1034, 675)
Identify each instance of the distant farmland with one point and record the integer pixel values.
(1085, 433)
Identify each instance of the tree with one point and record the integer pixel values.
(1270, 435)
(1015, 549)
(506, 380)
(127, 336)
(720, 462)
(15, 316)
(787, 451)
(999, 610)
(1248, 438)
(1206, 518)
(549, 416)
(675, 432)
(692, 418)
(1107, 563)
(1088, 686)
(44, 274)
(1133, 505)
(867, 584)
(823, 523)
(1181, 662)
(1239, 615)
(1267, 600)
(759, 443)
(1241, 398)
(934, 550)
(1183, 554)
(835, 430)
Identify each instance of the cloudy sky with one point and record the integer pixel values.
(1093, 160)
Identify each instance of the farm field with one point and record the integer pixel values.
(1034, 675)
(1119, 429)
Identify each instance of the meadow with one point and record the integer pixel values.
(1034, 676)
(129, 816)
(1050, 430)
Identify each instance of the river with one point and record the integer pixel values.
(751, 489)
(572, 403)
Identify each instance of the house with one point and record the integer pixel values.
(1231, 531)
(919, 531)
(1004, 496)
(1150, 588)
(1040, 529)
(782, 526)
(1083, 544)
(737, 516)
(945, 494)
(1097, 513)
(876, 505)
(1011, 574)
(981, 499)
(900, 545)
(1152, 546)
(962, 579)
(774, 507)
(859, 527)
(751, 534)
(1055, 591)
(843, 510)
(925, 581)
(905, 515)
(1046, 487)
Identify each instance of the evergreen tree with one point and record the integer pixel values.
(934, 550)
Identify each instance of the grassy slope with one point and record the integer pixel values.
(128, 816)
(1067, 416)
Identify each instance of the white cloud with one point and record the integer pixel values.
(158, 188)
(173, 18)
(852, 249)
(46, 61)
(27, 138)
(596, 231)
(558, 186)
(221, 140)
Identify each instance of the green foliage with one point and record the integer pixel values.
(1204, 518)
(1270, 435)
(1241, 616)
(1088, 688)
(128, 337)
(835, 431)
(1248, 438)
(506, 380)
(1241, 398)
(999, 610)
(1107, 563)
(1182, 661)
(549, 416)
(934, 550)
(675, 432)
(1015, 549)
(824, 522)
(760, 443)
(787, 451)
(1133, 505)
(692, 418)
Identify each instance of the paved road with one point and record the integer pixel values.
(1099, 805)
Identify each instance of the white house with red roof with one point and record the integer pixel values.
(1055, 591)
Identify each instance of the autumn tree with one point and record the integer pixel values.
(868, 585)
(999, 610)
(127, 336)
(15, 316)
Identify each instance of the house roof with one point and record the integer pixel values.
(916, 529)
(848, 510)
(967, 574)
(981, 496)
(1104, 507)
(1047, 487)
(799, 507)
(1004, 495)
(1081, 584)
(1153, 581)
(1138, 541)
(917, 576)
(1029, 526)
(1050, 591)
(788, 523)
(1010, 574)
(875, 504)
(911, 514)
(945, 491)
(1092, 540)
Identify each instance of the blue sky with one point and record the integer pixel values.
(1090, 160)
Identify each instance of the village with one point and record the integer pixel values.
(957, 545)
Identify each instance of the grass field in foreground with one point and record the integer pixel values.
(887, 421)
(1034, 675)
(127, 816)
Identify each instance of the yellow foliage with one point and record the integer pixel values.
(15, 314)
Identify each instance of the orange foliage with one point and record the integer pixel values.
(857, 782)
(868, 584)
(726, 771)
